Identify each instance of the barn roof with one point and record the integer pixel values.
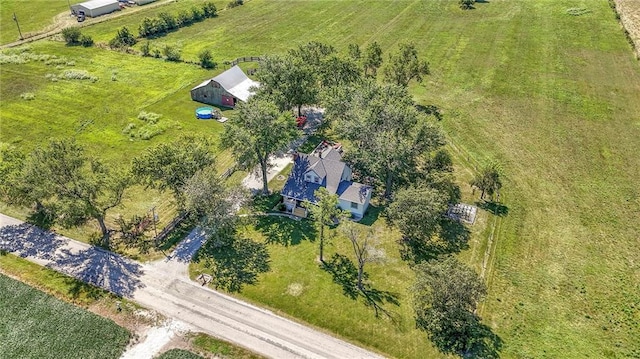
(235, 82)
(96, 4)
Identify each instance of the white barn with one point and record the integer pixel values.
(96, 8)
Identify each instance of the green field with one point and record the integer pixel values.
(36, 325)
(32, 16)
(553, 97)
(178, 354)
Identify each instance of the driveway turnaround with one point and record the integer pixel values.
(165, 287)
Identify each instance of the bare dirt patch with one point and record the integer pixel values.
(629, 12)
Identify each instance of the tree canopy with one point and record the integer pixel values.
(324, 212)
(391, 141)
(446, 294)
(259, 130)
(168, 166)
(488, 180)
(405, 65)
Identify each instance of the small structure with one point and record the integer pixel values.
(206, 113)
(94, 8)
(225, 89)
(462, 212)
(324, 168)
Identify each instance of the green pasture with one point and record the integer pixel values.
(178, 354)
(552, 96)
(36, 325)
(32, 16)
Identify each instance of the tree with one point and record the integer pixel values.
(391, 141)
(86, 41)
(206, 59)
(287, 81)
(197, 14)
(20, 183)
(82, 186)
(171, 53)
(354, 52)
(169, 21)
(372, 59)
(146, 49)
(209, 9)
(417, 212)
(260, 130)
(184, 18)
(364, 244)
(146, 28)
(405, 66)
(466, 4)
(488, 180)
(168, 166)
(123, 38)
(71, 35)
(324, 212)
(446, 294)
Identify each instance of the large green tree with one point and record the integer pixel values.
(372, 59)
(405, 65)
(446, 294)
(168, 166)
(287, 81)
(488, 180)
(259, 130)
(82, 187)
(391, 141)
(418, 211)
(324, 212)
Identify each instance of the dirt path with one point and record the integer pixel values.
(629, 11)
(164, 287)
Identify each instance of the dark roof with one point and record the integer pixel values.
(353, 191)
(297, 187)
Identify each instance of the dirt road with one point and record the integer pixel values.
(165, 287)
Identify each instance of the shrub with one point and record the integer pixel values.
(71, 35)
(28, 96)
(86, 41)
(78, 75)
(184, 18)
(146, 49)
(149, 117)
(197, 14)
(124, 38)
(235, 3)
(206, 59)
(466, 4)
(209, 9)
(169, 21)
(171, 53)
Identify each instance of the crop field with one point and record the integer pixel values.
(550, 94)
(36, 325)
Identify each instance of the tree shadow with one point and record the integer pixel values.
(236, 264)
(345, 273)
(494, 207)
(189, 245)
(430, 110)
(372, 215)
(101, 268)
(27, 240)
(483, 343)
(285, 231)
(452, 237)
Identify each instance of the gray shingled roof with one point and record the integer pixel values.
(353, 192)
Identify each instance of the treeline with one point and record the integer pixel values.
(165, 22)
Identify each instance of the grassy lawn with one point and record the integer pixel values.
(36, 325)
(553, 97)
(221, 349)
(32, 16)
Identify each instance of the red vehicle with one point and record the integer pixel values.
(301, 120)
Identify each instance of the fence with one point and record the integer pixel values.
(245, 59)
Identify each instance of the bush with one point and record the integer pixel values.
(197, 14)
(146, 49)
(206, 59)
(169, 21)
(466, 4)
(78, 75)
(71, 35)
(149, 117)
(28, 96)
(235, 3)
(171, 53)
(86, 41)
(184, 18)
(209, 9)
(124, 38)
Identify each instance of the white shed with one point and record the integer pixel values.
(95, 8)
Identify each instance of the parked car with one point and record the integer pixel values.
(80, 16)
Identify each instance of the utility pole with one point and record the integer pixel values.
(70, 9)
(16, 20)
(155, 219)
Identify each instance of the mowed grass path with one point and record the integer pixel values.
(36, 325)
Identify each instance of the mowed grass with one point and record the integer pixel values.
(32, 16)
(554, 97)
(36, 325)
(96, 113)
